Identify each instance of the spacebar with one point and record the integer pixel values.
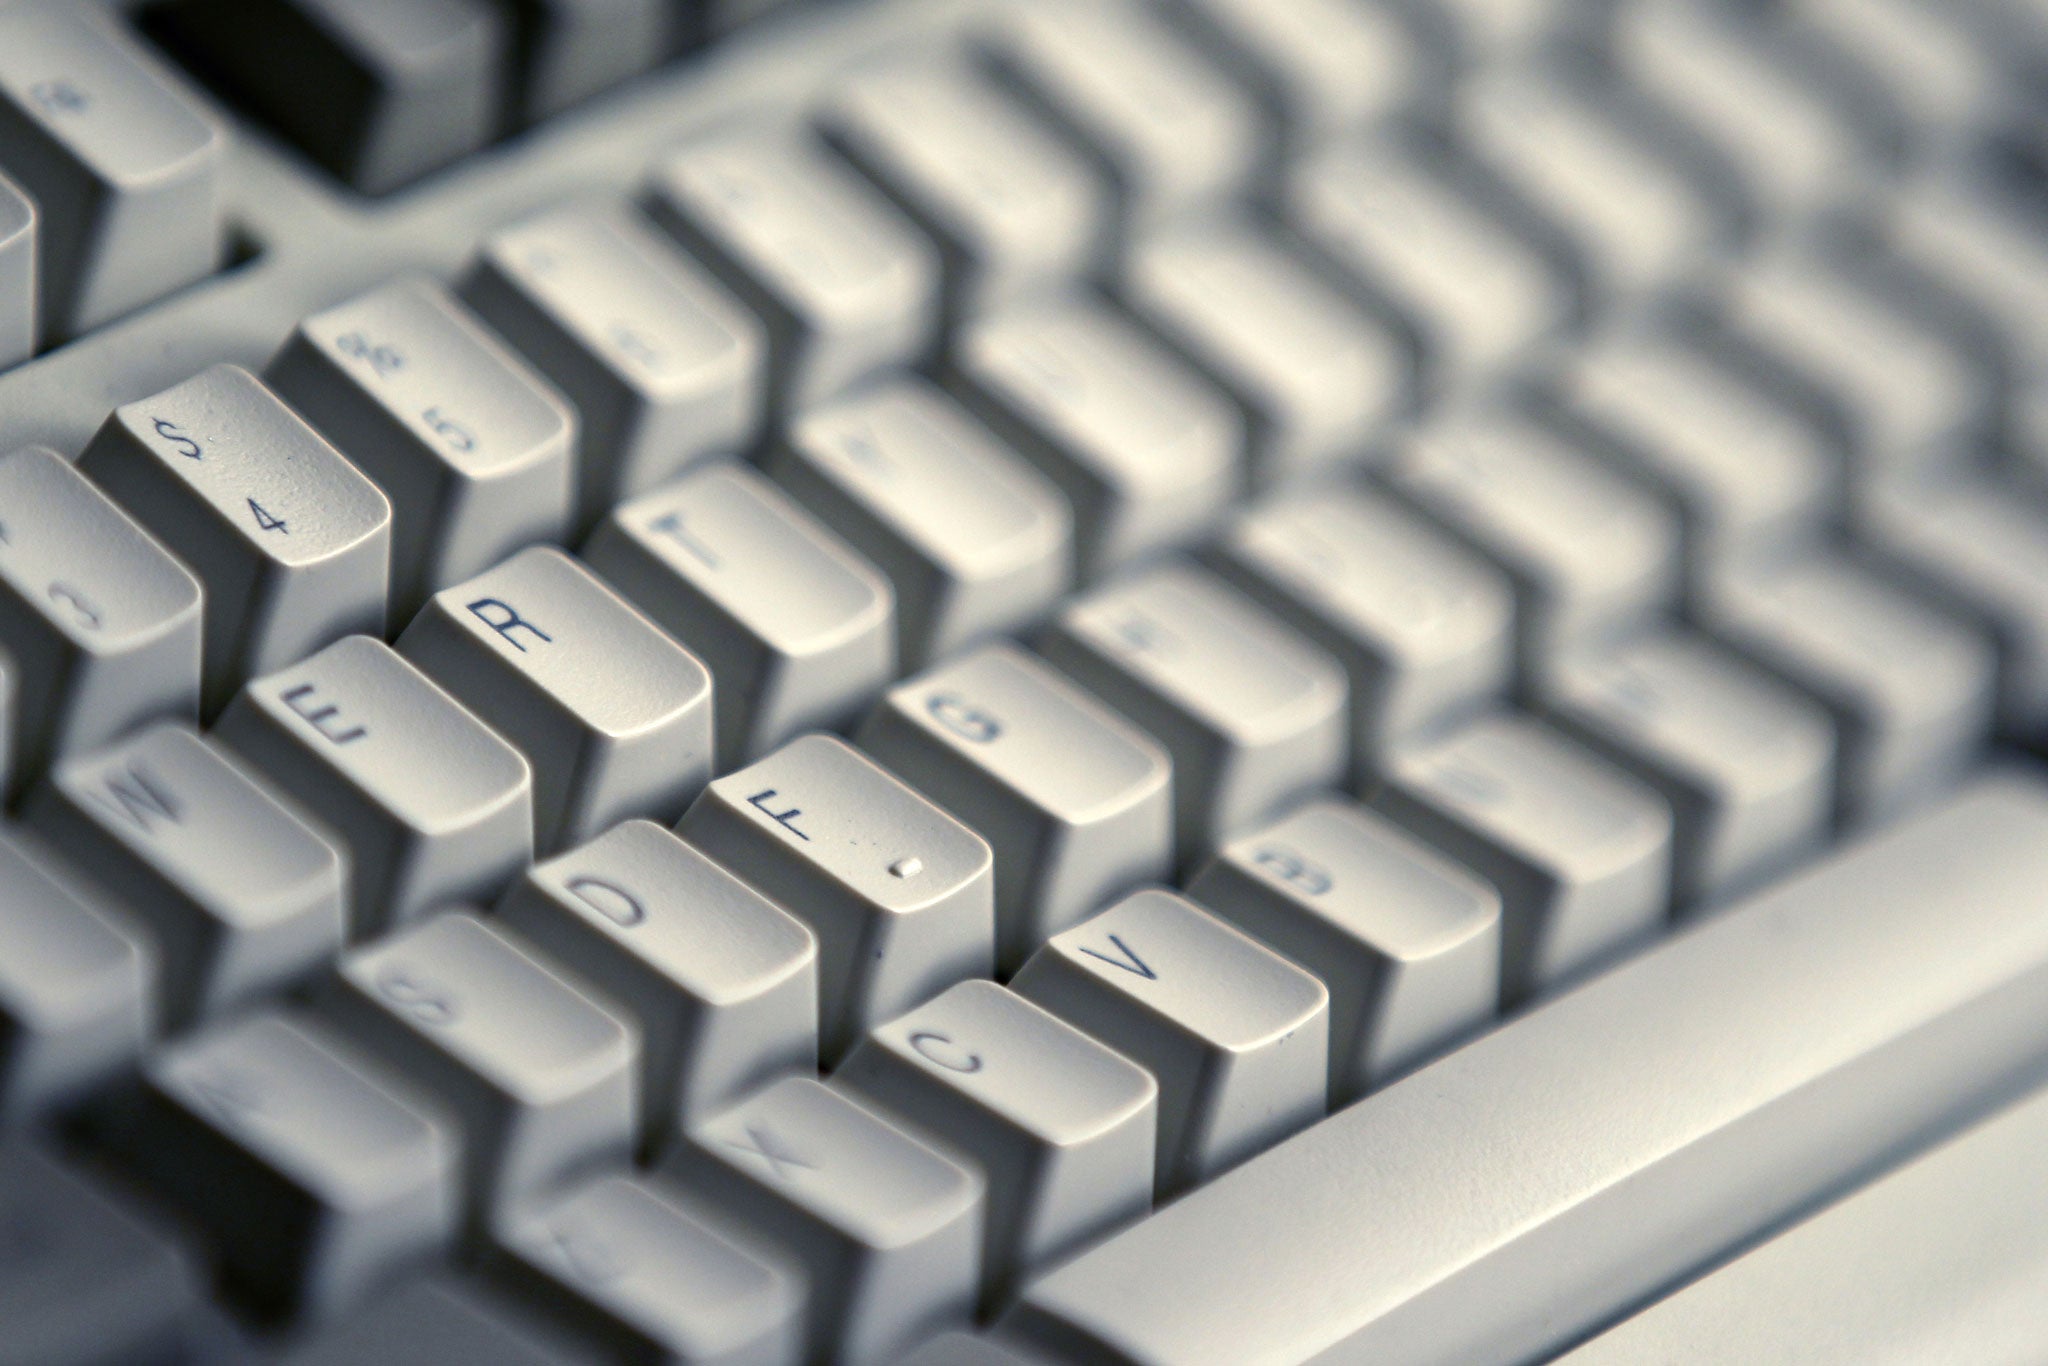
(1500, 1203)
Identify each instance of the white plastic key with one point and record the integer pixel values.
(19, 318)
(1253, 715)
(316, 1176)
(1063, 1126)
(614, 716)
(975, 541)
(1407, 942)
(291, 541)
(1237, 1036)
(542, 1079)
(796, 629)
(847, 287)
(103, 624)
(663, 366)
(475, 451)
(1075, 802)
(432, 805)
(722, 982)
(900, 895)
(1580, 852)
(240, 895)
(887, 1230)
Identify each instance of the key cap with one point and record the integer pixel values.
(1917, 65)
(1253, 715)
(1407, 941)
(1477, 294)
(1423, 628)
(1237, 1036)
(624, 1262)
(1963, 243)
(1517, 1194)
(103, 625)
(1167, 129)
(900, 895)
(1315, 376)
(566, 51)
(432, 806)
(77, 989)
(613, 715)
(796, 629)
(380, 92)
(1076, 802)
(124, 168)
(721, 982)
(662, 365)
(540, 1076)
(1010, 208)
(1585, 551)
(434, 1321)
(887, 1230)
(316, 1177)
(1912, 691)
(1942, 1256)
(847, 287)
(19, 320)
(974, 540)
(83, 1279)
(1145, 451)
(240, 895)
(1580, 852)
(1740, 467)
(291, 542)
(1063, 1126)
(1746, 764)
(474, 450)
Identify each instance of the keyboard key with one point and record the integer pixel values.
(1408, 942)
(621, 1260)
(887, 1230)
(1520, 1193)
(721, 982)
(1009, 206)
(1966, 244)
(662, 364)
(566, 51)
(847, 287)
(900, 895)
(797, 630)
(1253, 715)
(1580, 852)
(380, 92)
(315, 1177)
(19, 319)
(1423, 628)
(1237, 1036)
(1917, 69)
(103, 625)
(291, 542)
(1316, 377)
(241, 897)
(1911, 690)
(1586, 551)
(975, 541)
(77, 991)
(432, 805)
(1063, 1126)
(541, 1077)
(438, 1320)
(1168, 129)
(84, 1280)
(1145, 450)
(1477, 294)
(1076, 802)
(1746, 763)
(475, 452)
(125, 169)
(613, 715)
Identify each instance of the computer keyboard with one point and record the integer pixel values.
(1022, 681)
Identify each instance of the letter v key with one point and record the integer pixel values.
(1129, 962)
